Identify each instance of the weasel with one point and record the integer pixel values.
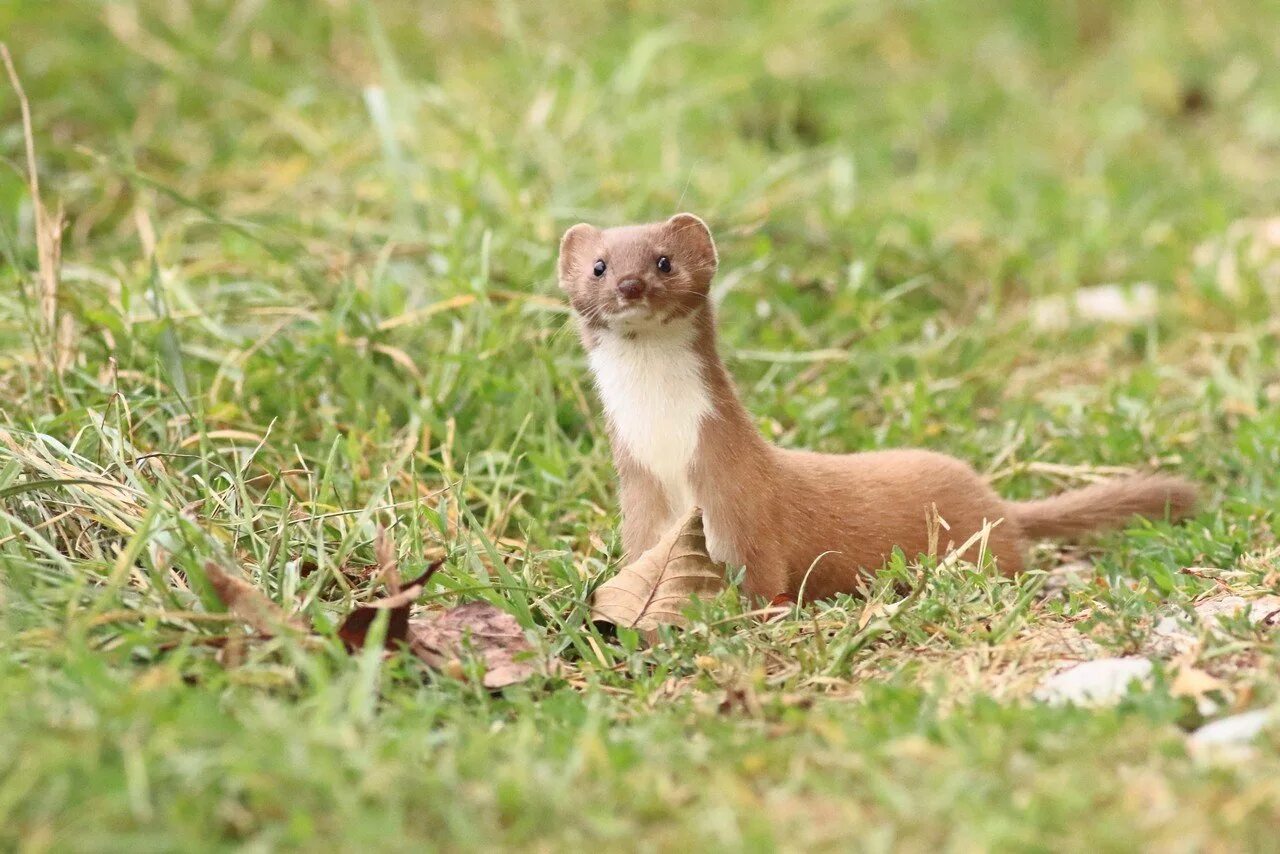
(802, 523)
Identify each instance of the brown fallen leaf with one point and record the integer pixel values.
(442, 639)
(653, 590)
(355, 628)
(248, 602)
(869, 612)
(779, 607)
(1191, 681)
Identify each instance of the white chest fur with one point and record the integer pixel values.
(655, 399)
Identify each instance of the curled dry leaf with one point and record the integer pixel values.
(653, 590)
(488, 632)
(1196, 684)
(248, 602)
(355, 628)
(442, 639)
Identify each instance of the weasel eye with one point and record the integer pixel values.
(598, 269)
(664, 264)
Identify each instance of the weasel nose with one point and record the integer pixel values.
(631, 288)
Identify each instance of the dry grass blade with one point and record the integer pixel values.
(653, 590)
(48, 234)
(384, 550)
(60, 484)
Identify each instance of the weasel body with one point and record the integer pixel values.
(802, 523)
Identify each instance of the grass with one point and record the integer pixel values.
(306, 289)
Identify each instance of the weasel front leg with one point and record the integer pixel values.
(765, 580)
(646, 513)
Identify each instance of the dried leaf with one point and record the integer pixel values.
(248, 602)
(869, 612)
(442, 639)
(1193, 682)
(355, 628)
(778, 608)
(653, 590)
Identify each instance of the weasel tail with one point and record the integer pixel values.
(1105, 505)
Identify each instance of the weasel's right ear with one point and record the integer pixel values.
(692, 234)
(571, 246)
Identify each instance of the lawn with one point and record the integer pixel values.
(306, 291)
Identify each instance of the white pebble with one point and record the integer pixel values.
(1228, 738)
(1237, 728)
(1095, 683)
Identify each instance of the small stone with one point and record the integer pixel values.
(1127, 305)
(1228, 738)
(1171, 638)
(1073, 574)
(1177, 634)
(1095, 683)
(1223, 606)
(1263, 611)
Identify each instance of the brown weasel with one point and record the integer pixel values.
(802, 523)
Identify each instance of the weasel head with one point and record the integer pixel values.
(637, 278)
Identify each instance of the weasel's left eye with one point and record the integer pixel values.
(664, 264)
(598, 269)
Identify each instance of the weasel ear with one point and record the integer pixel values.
(693, 236)
(571, 246)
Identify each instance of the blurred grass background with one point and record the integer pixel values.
(306, 286)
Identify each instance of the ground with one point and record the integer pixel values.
(306, 289)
